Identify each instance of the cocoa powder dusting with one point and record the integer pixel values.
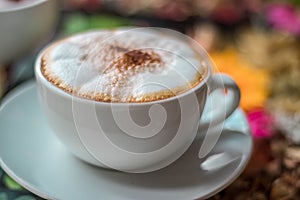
(118, 48)
(134, 59)
(138, 57)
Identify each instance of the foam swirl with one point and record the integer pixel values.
(122, 66)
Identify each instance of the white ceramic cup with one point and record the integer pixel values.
(24, 28)
(135, 137)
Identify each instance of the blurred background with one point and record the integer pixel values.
(257, 42)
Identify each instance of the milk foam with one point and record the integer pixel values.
(122, 66)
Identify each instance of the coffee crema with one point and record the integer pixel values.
(122, 66)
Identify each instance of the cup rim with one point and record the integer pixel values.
(39, 75)
(24, 7)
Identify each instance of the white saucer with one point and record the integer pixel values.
(32, 155)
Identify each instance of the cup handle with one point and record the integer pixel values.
(225, 98)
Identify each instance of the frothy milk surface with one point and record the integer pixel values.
(122, 66)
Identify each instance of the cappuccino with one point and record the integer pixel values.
(122, 66)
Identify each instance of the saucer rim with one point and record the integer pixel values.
(14, 93)
(27, 85)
